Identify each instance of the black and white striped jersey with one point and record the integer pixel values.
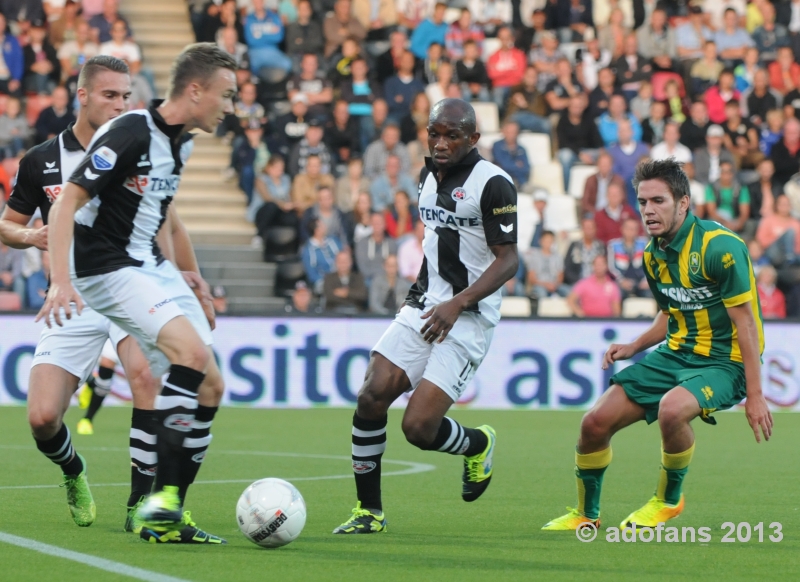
(472, 208)
(131, 170)
(43, 172)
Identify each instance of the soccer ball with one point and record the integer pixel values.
(271, 513)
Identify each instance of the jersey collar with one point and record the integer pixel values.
(171, 131)
(71, 142)
(680, 236)
(472, 158)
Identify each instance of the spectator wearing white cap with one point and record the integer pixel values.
(708, 159)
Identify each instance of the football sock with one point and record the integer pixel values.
(589, 470)
(458, 440)
(59, 449)
(143, 454)
(101, 386)
(369, 443)
(674, 467)
(175, 409)
(195, 446)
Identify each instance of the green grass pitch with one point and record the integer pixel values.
(432, 535)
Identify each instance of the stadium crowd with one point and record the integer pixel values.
(329, 131)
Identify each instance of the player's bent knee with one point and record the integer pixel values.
(594, 429)
(677, 407)
(45, 421)
(419, 432)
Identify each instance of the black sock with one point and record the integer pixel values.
(458, 440)
(175, 408)
(143, 454)
(59, 449)
(369, 443)
(195, 446)
(101, 386)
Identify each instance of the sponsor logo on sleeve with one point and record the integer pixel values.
(50, 168)
(143, 161)
(89, 175)
(507, 228)
(728, 261)
(510, 209)
(104, 158)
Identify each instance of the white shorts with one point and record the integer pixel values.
(449, 365)
(110, 350)
(141, 302)
(76, 347)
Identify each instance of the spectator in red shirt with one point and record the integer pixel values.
(506, 67)
(718, 95)
(773, 302)
(784, 74)
(609, 220)
(597, 295)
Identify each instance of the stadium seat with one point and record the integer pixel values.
(527, 219)
(487, 115)
(287, 275)
(639, 307)
(659, 81)
(577, 179)
(554, 307)
(10, 301)
(486, 142)
(561, 213)
(452, 14)
(490, 46)
(548, 175)
(537, 146)
(280, 243)
(515, 307)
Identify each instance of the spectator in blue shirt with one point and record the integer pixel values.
(319, 254)
(627, 154)
(263, 32)
(608, 122)
(401, 88)
(429, 31)
(732, 40)
(511, 156)
(392, 180)
(103, 22)
(14, 61)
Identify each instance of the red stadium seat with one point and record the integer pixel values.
(10, 301)
(659, 80)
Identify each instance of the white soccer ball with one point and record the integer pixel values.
(271, 513)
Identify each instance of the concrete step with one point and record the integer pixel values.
(220, 238)
(255, 305)
(244, 287)
(234, 254)
(203, 174)
(192, 187)
(164, 24)
(206, 161)
(208, 196)
(160, 10)
(197, 213)
(235, 270)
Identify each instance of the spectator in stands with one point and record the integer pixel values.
(310, 145)
(371, 251)
(417, 116)
(545, 58)
(388, 290)
(764, 191)
(273, 206)
(732, 40)
(302, 299)
(608, 122)
(533, 29)
(65, 28)
(641, 104)
(309, 82)
(757, 257)
(410, 255)
(593, 60)
(221, 17)
(401, 216)
(42, 68)
(705, 71)
(56, 118)
(37, 282)
(460, 32)
(418, 151)
(304, 35)
(595, 191)
(472, 74)
(12, 66)
(759, 99)
(697, 191)
(390, 181)
(625, 260)
(350, 185)
(120, 47)
(388, 63)
(728, 201)
(572, 19)
(561, 89)
(373, 128)
(400, 89)
(358, 219)
(612, 36)
(632, 68)
(378, 17)
(505, 67)
(74, 53)
(340, 25)
(247, 151)
(229, 42)
(671, 147)
(102, 24)
(741, 138)
(14, 130)
(657, 41)
(360, 93)
(290, 128)
(342, 134)
(627, 154)
(326, 211)
(11, 278)
(444, 78)
(340, 69)
(694, 129)
(491, 15)
(690, 38)
(779, 235)
(431, 30)
(770, 36)
(707, 160)
(527, 106)
(581, 253)
(410, 13)
(784, 73)
(743, 74)
(653, 126)
(596, 295)
(601, 95)
(343, 289)
(578, 137)
(545, 269)
(263, 32)
(784, 154)
(718, 95)
(427, 68)
(610, 219)
(677, 106)
(540, 196)
(378, 152)
(510, 156)
(319, 254)
(306, 184)
(773, 302)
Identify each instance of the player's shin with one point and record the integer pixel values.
(674, 467)
(589, 471)
(143, 454)
(369, 444)
(59, 449)
(175, 411)
(195, 446)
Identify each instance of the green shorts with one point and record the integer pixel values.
(717, 384)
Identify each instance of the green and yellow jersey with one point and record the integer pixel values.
(703, 271)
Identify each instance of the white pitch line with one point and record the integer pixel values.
(88, 560)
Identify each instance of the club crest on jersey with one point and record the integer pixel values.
(104, 158)
(694, 263)
(459, 194)
(137, 184)
(51, 192)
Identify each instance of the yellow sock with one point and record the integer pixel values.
(589, 470)
(674, 467)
